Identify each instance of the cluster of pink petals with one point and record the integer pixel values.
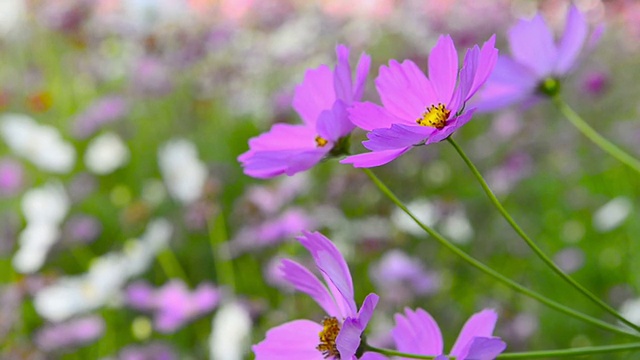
(298, 339)
(173, 304)
(322, 101)
(406, 92)
(416, 332)
(534, 57)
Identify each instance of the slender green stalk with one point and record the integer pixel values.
(170, 265)
(489, 271)
(590, 350)
(532, 245)
(221, 259)
(390, 352)
(594, 136)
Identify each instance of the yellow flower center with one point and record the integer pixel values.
(320, 141)
(435, 116)
(328, 336)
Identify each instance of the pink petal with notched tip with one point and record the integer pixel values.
(376, 158)
(294, 340)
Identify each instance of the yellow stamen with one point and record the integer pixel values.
(328, 335)
(435, 116)
(320, 141)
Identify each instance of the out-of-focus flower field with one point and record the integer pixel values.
(128, 229)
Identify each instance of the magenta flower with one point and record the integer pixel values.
(417, 333)
(321, 101)
(536, 63)
(173, 305)
(338, 336)
(418, 110)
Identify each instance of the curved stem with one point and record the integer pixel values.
(533, 246)
(390, 352)
(594, 136)
(590, 350)
(570, 352)
(489, 271)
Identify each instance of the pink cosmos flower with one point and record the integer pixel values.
(417, 333)
(173, 304)
(338, 336)
(418, 110)
(321, 101)
(536, 62)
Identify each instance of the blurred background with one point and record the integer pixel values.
(128, 230)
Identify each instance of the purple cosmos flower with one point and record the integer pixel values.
(536, 62)
(417, 333)
(338, 337)
(173, 304)
(101, 112)
(11, 177)
(71, 334)
(419, 110)
(321, 101)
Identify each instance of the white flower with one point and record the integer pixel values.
(105, 278)
(40, 144)
(423, 209)
(630, 310)
(35, 241)
(457, 227)
(48, 204)
(184, 174)
(106, 153)
(612, 214)
(230, 332)
(44, 209)
(13, 17)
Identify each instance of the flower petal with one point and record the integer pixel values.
(480, 324)
(485, 348)
(342, 75)
(303, 280)
(450, 128)
(291, 341)
(334, 123)
(398, 136)
(478, 65)
(373, 356)
(334, 269)
(418, 333)
(369, 116)
(314, 95)
(362, 70)
(373, 159)
(532, 44)
(404, 90)
(267, 164)
(443, 69)
(348, 339)
(575, 33)
(367, 308)
(509, 83)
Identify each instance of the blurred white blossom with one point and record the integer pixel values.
(41, 144)
(612, 214)
(183, 172)
(106, 153)
(73, 295)
(231, 328)
(44, 209)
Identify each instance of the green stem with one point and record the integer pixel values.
(221, 258)
(594, 136)
(390, 352)
(532, 245)
(489, 271)
(570, 352)
(590, 350)
(170, 265)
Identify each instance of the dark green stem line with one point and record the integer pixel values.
(494, 200)
(590, 350)
(604, 144)
(489, 271)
